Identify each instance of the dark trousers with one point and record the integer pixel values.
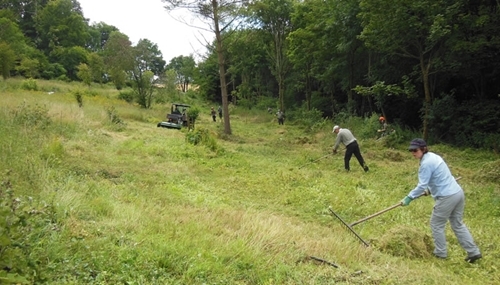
(281, 121)
(353, 148)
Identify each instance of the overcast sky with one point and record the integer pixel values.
(147, 19)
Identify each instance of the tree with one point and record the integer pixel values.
(69, 58)
(184, 67)
(148, 62)
(218, 15)
(414, 29)
(84, 73)
(96, 65)
(7, 59)
(118, 57)
(275, 17)
(99, 35)
(29, 67)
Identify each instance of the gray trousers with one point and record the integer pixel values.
(451, 208)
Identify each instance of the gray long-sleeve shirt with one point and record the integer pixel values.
(345, 137)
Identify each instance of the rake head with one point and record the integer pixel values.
(347, 226)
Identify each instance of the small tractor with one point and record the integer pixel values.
(177, 118)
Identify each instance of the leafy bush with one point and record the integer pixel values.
(193, 113)
(310, 120)
(23, 224)
(203, 137)
(79, 97)
(265, 102)
(472, 124)
(29, 84)
(126, 95)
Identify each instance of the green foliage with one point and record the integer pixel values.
(53, 71)
(31, 116)
(193, 113)
(126, 95)
(203, 137)
(29, 67)
(468, 124)
(114, 118)
(29, 84)
(310, 120)
(79, 97)
(84, 73)
(23, 224)
(7, 59)
(143, 88)
(70, 58)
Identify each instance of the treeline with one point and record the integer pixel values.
(427, 65)
(52, 40)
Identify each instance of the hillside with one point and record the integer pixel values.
(106, 197)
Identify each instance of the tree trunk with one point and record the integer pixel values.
(222, 69)
(425, 67)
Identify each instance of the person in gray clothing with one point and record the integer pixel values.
(435, 178)
(345, 137)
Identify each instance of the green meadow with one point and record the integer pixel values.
(98, 194)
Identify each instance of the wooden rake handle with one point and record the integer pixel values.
(388, 209)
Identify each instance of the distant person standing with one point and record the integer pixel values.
(383, 126)
(435, 178)
(214, 114)
(220, 112)
(345, 137)
(281, 117)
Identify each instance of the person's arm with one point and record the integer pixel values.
(337, 142)
(424, 175)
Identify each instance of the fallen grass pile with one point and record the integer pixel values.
(405, 241)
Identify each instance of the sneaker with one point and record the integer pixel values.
(474, 258)
(366, 168)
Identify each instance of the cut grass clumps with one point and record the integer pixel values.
(490, 172)
(406, 242)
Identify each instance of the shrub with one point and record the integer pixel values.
(29, 84)
(126, 95)
(203, 137)
(79, 97)
(114, 119)
(28, 116)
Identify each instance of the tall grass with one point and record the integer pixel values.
(143, 205)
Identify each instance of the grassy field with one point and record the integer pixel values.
(100, 195)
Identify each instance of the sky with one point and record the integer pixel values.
(147, 19)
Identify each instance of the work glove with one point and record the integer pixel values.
(406, 201)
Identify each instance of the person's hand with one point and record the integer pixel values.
(334, 151)
(427, 192)
(406, 201)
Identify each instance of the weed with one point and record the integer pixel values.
(22, 225)
(114, 119)
(31, 116)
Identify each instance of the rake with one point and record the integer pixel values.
(349, 226)
(315, 160)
